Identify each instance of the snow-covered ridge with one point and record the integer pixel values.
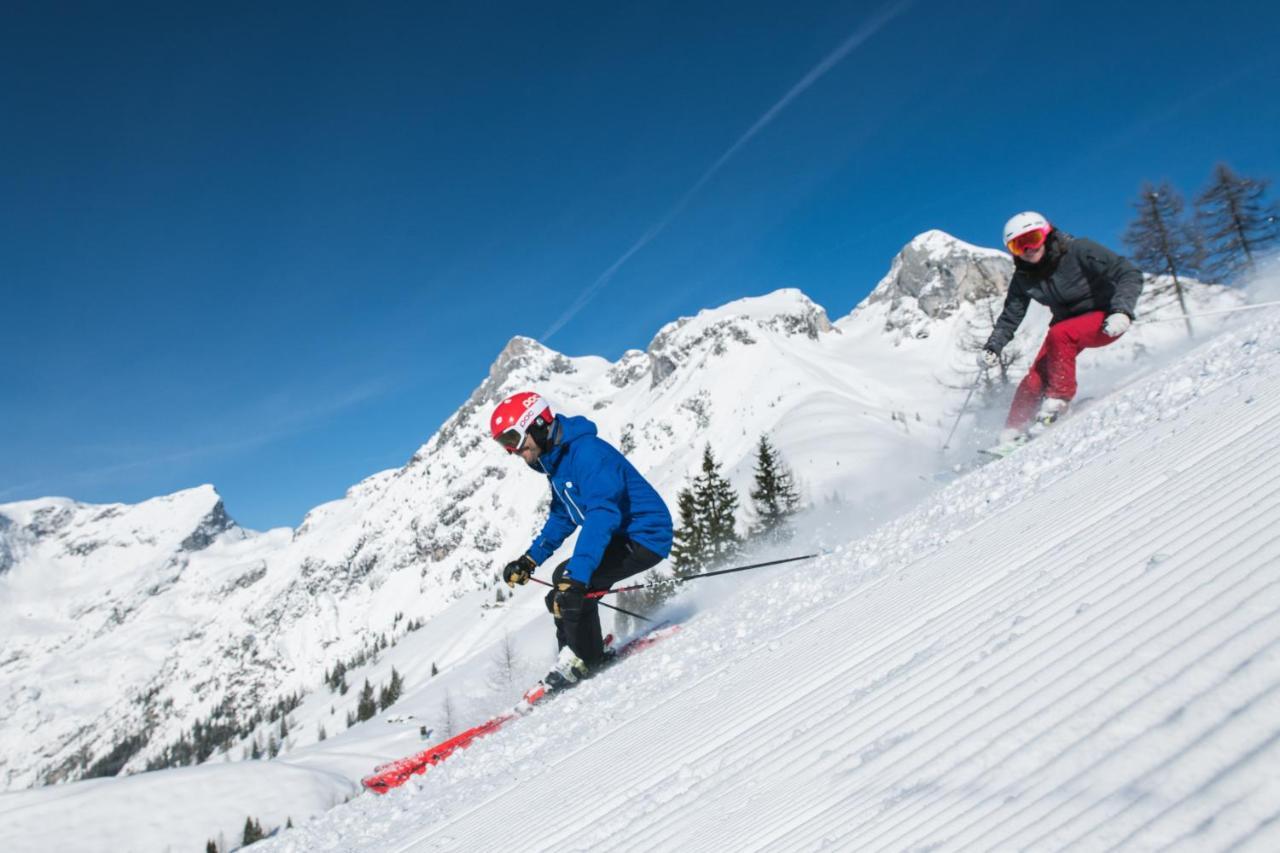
(787, 312)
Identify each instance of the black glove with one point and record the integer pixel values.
(570, 596)
(519, 571)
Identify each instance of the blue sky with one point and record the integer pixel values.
(273, 246)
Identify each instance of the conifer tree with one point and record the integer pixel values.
(366, 707)
(252, 832)
(716, 504)
(337, 676)
(1161, 241)
(388, 695)
(1236, 222)
(688, 548)
(211, 846)
(707, 534)
(774, 498)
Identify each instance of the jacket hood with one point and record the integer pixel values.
(567, 429)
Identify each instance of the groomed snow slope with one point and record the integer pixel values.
(1077, 647)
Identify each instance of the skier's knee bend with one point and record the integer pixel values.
(1060, 333)
(557, 574)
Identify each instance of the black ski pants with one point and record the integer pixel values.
(622, 559)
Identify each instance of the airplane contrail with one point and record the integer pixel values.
(859, 36)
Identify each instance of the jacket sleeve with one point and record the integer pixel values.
(557, 528)
(1015, 308)
(1100, 262)
(599, 495)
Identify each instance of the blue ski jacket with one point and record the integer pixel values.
(595, 487)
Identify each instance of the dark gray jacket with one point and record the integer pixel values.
(1074, 277)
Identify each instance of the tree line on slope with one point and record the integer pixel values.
(224, 727)
(706, 536)
(252, 833)
(1219, 240)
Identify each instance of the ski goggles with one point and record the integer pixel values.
(510, 439)
(1028, 242)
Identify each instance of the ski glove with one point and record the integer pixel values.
(519, 571)
(570, 596)
(1116, 325)
(989, 358)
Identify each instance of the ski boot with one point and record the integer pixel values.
(569, 670)
(1051, 409)
(1010, 439)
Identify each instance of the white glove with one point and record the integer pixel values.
(989, 358)
(1116, 325)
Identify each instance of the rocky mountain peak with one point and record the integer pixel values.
(787, 311)
(524, 362)
(214, 523)
(524, 359)
(933, 274)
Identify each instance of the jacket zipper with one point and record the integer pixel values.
(568, 498)
(565, 498)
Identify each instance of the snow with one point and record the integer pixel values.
(939, 244)
(1066, 643)
(1078, 646)
(178, 809)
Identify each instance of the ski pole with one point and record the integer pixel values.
(602, 603)
(604, 592)
(963, 406)
(1144, 321)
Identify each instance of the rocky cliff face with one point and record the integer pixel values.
(933, 276)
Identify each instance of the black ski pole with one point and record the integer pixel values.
(963, 406)
(605, 592)
(602, 603)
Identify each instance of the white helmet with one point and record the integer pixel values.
(1023, 222)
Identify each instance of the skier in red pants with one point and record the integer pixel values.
(1092, 293)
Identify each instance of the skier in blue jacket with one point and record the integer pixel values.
(626, 526)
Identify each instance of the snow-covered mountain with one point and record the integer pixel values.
(122, 627)
(1077, 647)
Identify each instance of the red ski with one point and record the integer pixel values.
(396, 773)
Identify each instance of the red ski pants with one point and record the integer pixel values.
(1053, 373)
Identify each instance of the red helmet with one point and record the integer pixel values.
(518, 415)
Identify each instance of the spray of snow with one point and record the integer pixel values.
(1263, 285)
